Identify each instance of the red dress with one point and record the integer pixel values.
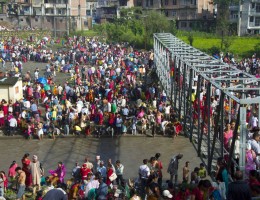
(84, 172)
(26, 168)
(109, 173)
(5, 109)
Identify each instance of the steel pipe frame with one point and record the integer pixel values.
(198, 112)
(202, 61)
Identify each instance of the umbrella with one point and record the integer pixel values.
(45, 38)
(47, 87)
(42, 80)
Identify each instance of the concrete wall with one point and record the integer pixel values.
(4, 92)
(16, 91)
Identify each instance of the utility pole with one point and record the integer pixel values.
(67, 18)
(239, 19)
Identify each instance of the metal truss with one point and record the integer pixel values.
(182, 70)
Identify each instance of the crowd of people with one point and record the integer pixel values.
(105, 180)
(108, 91)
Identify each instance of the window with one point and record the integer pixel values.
(166, 2)
(36, 19)
(183, 24)
(174, 2)
(147, 3)
(257, 8)
(251, 19)
(88, 13)
(166, 13)
(173, 13)
(151, 2)
(257, 21)
(253, 5)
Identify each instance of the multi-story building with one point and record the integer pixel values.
(185, 12)
(61, 16)
(108, 10)
(249, 20)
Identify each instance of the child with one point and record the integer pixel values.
(202, 171)
(134, 127)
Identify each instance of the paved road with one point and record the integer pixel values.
(130, 150)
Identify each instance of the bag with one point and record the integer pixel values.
(222, 189)
(113, 177)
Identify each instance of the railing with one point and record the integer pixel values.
(254, 13)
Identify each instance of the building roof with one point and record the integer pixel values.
(8, 81)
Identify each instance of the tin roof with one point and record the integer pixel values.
(8, 80)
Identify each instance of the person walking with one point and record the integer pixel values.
(36, 173)
(119, 172)
(21, 183)
(12, 125)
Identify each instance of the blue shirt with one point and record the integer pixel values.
(102, 170)
(34, 107)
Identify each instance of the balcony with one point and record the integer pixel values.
(108, 16)
(252, 25)
(49, 5)
(255, 1)
(254, 13)
(61, 5)
(234, 8)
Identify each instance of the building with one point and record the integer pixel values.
(61, 16)
(249, 20)
(11, 88)
(108, 10)
(186, 12)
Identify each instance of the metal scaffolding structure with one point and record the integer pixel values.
(185, 73)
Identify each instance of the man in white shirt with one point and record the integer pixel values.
(12, 126)
(254, 121)
(167, 110)
(92, 184)
(144, 173)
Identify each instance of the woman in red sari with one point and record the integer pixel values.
(109, 173)
(26, 168)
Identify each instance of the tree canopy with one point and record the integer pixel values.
(136, 27)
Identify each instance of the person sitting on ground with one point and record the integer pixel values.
(57, 176)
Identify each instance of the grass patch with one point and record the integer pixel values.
(240, 46)
(87, 33)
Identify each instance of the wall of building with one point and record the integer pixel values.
(74, 8)
(4, 92)
(16, 91)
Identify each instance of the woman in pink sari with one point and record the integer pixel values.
(250, 159)
(228, 134)
(58, 174)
